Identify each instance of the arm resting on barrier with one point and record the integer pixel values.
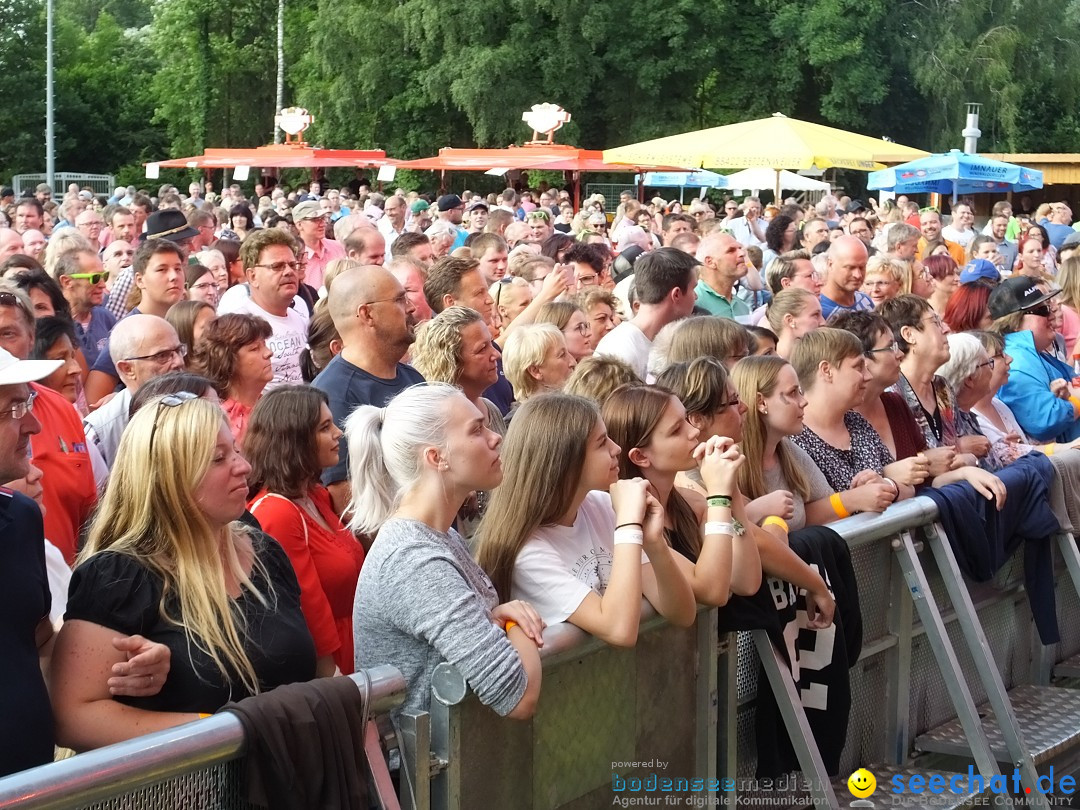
(86, 715)
(779, 561)
(530, 660)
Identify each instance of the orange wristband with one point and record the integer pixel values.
(203, 716)
(1076, 406)
(508, 625)
(775, 520)
(838, 506)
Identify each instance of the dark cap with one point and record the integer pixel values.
(1015, 295)
(854, 206)
(1072, 240)
(448, 202)
(168, 224)
(7, 191)
(474, 204)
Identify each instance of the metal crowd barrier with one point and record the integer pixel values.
(947, 667)
(193, 766)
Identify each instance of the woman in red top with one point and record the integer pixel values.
(290, 439)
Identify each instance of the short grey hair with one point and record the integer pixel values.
(899, 233)
(965, 352)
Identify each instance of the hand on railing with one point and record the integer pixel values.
(524, 616)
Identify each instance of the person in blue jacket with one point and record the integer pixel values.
(1038, 390)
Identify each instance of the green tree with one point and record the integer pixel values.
(22, 86)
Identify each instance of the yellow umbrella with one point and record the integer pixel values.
(777, 143)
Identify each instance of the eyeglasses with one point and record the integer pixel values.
(582, 328)
(168, 401)
(280, 267)
(401, 299)
(935, 320)
(730, 403)
(893, 347)
(93, 278)
(205, 285)
(989, 363)
(9, 300)
(21, 409)
(499, 288)
(163, 356)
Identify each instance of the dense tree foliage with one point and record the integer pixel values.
(142, 79)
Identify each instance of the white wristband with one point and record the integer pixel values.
(717, 527)
(629, 535)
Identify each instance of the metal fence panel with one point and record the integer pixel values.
(98, 183)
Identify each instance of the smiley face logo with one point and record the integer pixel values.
(862, 783)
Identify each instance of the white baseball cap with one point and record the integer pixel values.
(17, 372)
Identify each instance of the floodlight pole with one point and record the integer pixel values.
(50, 157)
(972, 132)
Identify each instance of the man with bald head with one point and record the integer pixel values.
(141, 347)
(844, 275)
(375, 318)
(723, 262)
(366, 245)
(10, 243)
(33, 244)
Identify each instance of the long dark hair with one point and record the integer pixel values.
(280, 441)
(631, 414)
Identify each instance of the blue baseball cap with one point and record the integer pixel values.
(980, 270)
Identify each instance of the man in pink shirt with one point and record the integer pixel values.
(310, 221)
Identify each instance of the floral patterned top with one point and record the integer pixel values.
(867, 452)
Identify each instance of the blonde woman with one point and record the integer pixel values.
(886, 277)
(221, 596)
(535, 359)
(791, 314)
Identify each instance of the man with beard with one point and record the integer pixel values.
(375, 318)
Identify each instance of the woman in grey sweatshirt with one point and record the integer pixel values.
(421, 598)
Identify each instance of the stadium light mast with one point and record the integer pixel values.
(50, 156)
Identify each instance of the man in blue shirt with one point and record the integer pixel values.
(844, 275)
(375, 319)
(1059, 224)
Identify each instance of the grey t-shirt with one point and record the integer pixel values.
(819, 487)
(421, 600)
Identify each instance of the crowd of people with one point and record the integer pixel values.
(253, 441)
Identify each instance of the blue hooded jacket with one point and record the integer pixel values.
(1042, 415)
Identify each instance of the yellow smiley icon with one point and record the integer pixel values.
(862, 783)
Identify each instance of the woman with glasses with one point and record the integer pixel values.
(573, 322)
(220, 595)
(1038, 389)
(290, 440)
(944, 280)
(215, 261)
(996, 419)
(791, 314)
(201, 284)
(233, 355)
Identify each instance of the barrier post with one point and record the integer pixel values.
(898, 666)
(984, 663)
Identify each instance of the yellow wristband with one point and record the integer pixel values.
(508, 625)
(838, 506)
(1076, 406)
(776, 520)
(203, 716)
(1050, 449)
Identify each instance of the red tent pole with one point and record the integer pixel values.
(575, 182)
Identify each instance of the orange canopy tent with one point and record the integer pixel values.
(280, 156)
(570, 160)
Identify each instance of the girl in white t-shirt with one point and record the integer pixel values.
(563, 533)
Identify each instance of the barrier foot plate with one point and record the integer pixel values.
(1048, 718)
(1069, 668)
